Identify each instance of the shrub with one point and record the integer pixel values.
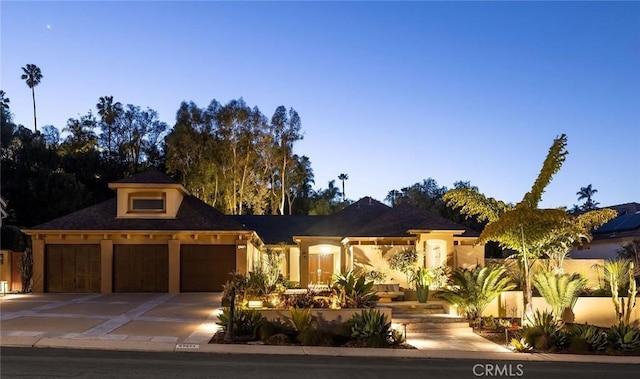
(545, 333)
(560, 291)
(624, 337)
(371, 328)
(472, 290)
(354, 292)
(520, 345)
(405, 261)
(586, 338)
(246, 321)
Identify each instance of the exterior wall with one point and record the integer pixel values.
(374, 257)
(593, 310)
(294, 264)
(310, 245)
(468, 256)
(591, 269)
(173, 200)
(5, 268)
(601, 249)
(426, 243)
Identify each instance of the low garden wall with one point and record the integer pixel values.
(592, 310)
(323, 315)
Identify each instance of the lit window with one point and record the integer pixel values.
(147, 203)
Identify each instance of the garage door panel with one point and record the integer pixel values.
(141, 268)
(205, 268)
(69, 268)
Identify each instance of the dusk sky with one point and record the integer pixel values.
(389, 93)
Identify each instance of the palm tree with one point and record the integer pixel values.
(560, 291)
(525, 228)
(587, 193)
(32, 76)
(343, 177)
(472, 290)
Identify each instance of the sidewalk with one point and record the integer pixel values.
(186, 322)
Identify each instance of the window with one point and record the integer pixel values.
(147, 203)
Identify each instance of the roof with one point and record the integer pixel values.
(148, 177)
(193, 215)
(348, 220)
(402, 218)
(275, 229)
(627, 223)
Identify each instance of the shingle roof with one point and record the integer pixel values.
(193, 214)
(348, 220)
(277, 229)
(402, 218)
(148, 177)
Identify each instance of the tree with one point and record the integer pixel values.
(4, 101)
(32, 76)
(343, 177)
(472, 290)
(524, 228)
(109, 113)
(560, 291)
(587, 193)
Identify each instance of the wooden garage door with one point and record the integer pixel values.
(205, 268)
(140, 268)
(72, 268)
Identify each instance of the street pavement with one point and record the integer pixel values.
(186, 322)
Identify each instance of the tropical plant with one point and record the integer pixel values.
(371, 328)
(375, 276)
(586, 337)
(624, 337)
(245, 321)
(32, 75)
(560, 291)
(343, 177)
(545, 332)
(354, 292)
(525, 228)
(520, 345)
(587, 193)
(405, 261)
(619, 273)
(471, 290)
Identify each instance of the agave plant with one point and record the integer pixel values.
(590, 336)
(246, 322)
(472, 290)
(371, 328)
(520, 345)
(624, 337)
(545, 332)
(353, 291)
(560, 291)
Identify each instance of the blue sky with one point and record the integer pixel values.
(389, 93)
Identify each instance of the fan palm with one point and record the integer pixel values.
(32, 76)
(472, 290)
(343, 177)
(560, 291)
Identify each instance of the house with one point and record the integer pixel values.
(154, 236)
(608, 238)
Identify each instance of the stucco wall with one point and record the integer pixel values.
(373, 257)
(605, 249)
(593, 310)
(468, 256)
(591, 269)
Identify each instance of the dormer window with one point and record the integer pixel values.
(147, 202)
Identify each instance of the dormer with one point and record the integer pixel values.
(148, 195)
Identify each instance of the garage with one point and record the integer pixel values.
(205, 268)
(72, 268)
(140, 268)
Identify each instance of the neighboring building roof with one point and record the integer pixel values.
(193, 215)
(148, 177)
(626, 224)
(275, 229)
(348, 220)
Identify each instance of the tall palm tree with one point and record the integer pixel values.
(343, 177)
(587, 193)
(32, 76)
